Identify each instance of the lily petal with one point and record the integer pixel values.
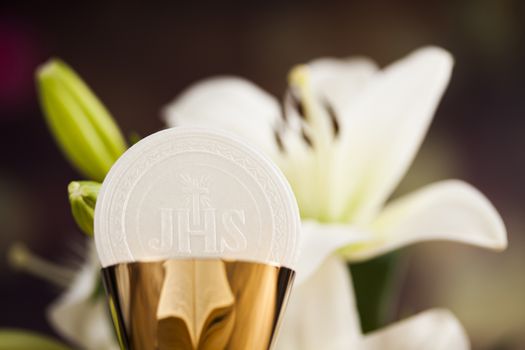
(448, 210)
(81, 317)
(318, 241)
(435, 329)
(321, 313)
(383, 129)
(231, 104)
(338, 81)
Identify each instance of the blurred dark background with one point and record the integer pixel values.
(138, 57)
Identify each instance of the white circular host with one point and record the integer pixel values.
(196, 193)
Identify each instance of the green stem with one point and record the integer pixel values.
(376, 285)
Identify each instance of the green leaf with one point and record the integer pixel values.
(79, 122)
(82, 198)
(14, 339)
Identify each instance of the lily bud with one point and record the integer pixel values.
(79, 122)
(83, 197)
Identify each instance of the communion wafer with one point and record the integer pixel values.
(196, 193)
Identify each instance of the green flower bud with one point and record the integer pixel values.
(79, 122)
(83, 197)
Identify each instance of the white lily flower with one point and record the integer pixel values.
(80, 314)
(345, 138)
(322, 315)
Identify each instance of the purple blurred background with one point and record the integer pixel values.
(137, 58)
